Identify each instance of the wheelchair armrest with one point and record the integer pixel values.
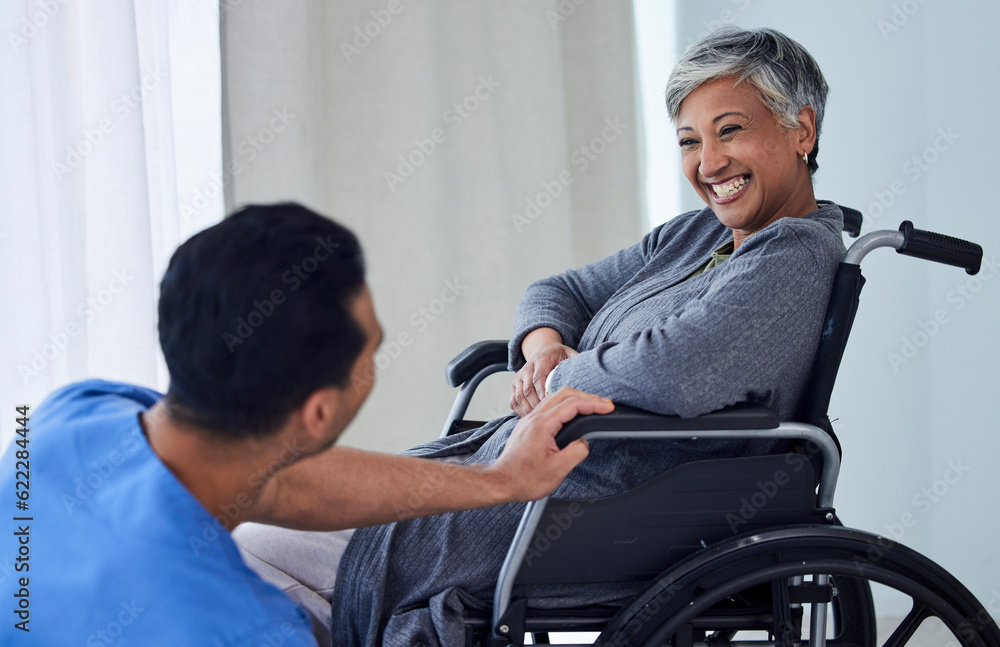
(475, 358)
(623, 418)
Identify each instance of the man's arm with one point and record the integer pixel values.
(350, 488)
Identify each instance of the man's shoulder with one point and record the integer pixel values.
(84, 420)
(112, 518)
(94, 395)
(92, 411)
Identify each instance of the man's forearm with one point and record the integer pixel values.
(351, 488)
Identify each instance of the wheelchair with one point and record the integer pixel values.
(730, 548)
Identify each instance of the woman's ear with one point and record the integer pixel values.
(807, 128)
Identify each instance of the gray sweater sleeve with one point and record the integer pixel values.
(567, 302)
(757, 325)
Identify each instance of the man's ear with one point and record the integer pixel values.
(319, 411)
(807, 128)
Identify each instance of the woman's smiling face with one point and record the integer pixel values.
(741, 161)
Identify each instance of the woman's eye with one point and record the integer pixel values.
(729, 130)
(687, 143)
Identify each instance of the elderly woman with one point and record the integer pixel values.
(715, 307)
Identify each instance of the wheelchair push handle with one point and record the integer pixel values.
(931, 246)
(852, 221)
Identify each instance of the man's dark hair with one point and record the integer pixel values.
(254, 315)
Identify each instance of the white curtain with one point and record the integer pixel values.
(109, 118)
(474, 147)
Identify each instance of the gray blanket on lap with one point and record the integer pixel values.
(745, 331)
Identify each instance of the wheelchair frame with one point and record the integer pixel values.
(772, 552)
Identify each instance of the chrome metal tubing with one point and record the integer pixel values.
(864, 245)
(464, 397)
(786, 430)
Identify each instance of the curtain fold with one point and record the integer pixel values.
(474, 147)
(96, 162)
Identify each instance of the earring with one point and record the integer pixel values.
(805, 157)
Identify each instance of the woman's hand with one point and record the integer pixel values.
(543, 348)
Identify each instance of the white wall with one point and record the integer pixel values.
(897, 81)
(557, 71)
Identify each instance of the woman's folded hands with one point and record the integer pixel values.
(543, 349)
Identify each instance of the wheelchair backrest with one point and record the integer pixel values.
(837, 324)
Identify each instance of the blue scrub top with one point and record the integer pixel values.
(118, 551)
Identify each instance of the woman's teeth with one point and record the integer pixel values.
(726, 190)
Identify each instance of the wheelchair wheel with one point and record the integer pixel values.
(762, 581)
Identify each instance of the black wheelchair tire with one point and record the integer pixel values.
(685, 594)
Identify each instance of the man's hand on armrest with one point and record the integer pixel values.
(350, 488)
(531, 463)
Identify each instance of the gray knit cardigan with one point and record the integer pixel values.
(745, 331)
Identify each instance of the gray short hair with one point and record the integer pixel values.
(784, 74)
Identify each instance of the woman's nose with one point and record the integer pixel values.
(713, 160)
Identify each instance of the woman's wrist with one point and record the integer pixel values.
(538, 339)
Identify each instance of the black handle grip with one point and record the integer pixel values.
(852, 221)
(940, 248)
